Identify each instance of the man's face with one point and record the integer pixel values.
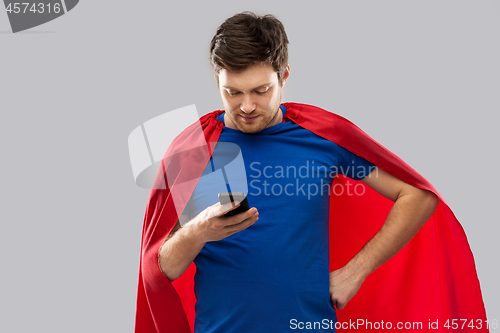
(251, 98)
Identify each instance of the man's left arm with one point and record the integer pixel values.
(412, 208)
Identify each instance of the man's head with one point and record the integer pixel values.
(249, 55)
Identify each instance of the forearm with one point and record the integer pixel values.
(179, 251)
(407, 216)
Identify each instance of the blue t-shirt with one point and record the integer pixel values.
(274, 274)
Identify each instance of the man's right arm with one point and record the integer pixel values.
(184, 243)
(179, 250)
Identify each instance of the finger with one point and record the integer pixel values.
(335, 302)
(339, 304)
(240, 217)
(223, 209)
(243, 220)
(234, 228)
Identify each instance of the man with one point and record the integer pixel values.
(267, 269)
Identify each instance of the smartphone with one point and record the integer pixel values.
(226, 197)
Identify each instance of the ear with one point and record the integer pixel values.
(286, 74)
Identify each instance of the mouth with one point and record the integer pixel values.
(248, 119)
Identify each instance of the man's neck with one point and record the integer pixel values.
(278, 118)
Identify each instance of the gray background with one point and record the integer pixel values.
(421, 77)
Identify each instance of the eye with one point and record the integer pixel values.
(261, 92)
(232, 94)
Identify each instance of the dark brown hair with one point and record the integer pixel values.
(246, 39)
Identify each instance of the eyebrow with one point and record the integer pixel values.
(261, 86)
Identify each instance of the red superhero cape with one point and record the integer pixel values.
(432, 279)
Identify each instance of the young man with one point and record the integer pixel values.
(268, 269)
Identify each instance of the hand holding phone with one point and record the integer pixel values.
(227, 197)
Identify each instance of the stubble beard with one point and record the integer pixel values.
(271, 119)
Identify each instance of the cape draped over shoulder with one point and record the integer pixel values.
(432, 278)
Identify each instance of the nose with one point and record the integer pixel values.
(247, 105)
